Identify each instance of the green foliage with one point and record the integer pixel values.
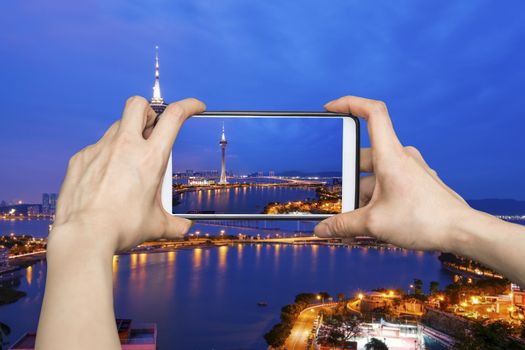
(418, 286)
(434, 287)
(334, 337)
(324, 295)
(375, 344)
(305, 298)
(480, 287)
(290, 312)
(277, 336)
(494, 336)
(339, 329)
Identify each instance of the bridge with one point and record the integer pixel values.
(302, 226)
(283, 182)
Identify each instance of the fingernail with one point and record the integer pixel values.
(322, 230)
(329, 103)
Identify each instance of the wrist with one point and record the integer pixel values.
(469, 232)
(80, 239)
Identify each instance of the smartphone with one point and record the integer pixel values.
(263, 166)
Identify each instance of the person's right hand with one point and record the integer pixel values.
(403, 201)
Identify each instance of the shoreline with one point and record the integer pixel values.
(157, 247)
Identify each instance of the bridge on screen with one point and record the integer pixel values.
(268, 226)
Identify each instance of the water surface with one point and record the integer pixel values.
(207, 298)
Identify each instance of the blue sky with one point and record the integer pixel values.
(261, 144)
(452, 73)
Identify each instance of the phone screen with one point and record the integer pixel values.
(258, 165)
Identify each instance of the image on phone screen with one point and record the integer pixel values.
(268, 165)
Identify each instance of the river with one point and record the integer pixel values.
(207, 298)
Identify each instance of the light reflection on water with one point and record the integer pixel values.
(251, 200)
(207, 298)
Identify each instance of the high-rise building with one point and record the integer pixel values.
(45, 203)
(53, 200)
(223, 144)
(157, 102)
(4, 257)
(49, 203)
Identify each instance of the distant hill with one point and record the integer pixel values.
(499, 206)
(305, 174)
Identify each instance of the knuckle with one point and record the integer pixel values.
(412, 151)
(136, 100)
(175, 109)
(337, 226)
(378, 107)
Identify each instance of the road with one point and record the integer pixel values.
(302, 328)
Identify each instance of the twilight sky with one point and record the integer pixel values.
(261, 144)
(452, 73)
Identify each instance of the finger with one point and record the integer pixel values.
(170, 122)
(151, 120)
(136, 116)
(365, 161)
(348, 224)
(380, 129)
(367, 185)
(176, 227)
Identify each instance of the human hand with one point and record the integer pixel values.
(403, 201)
(113, 188)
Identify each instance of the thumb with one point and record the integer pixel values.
(348, 224)
(176, 227)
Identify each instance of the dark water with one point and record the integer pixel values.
(239, 200)
(36, 227)
(207, 298)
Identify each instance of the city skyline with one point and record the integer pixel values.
(279, 143)
(453, 90)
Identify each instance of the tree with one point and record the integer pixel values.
(277, 336)
(418, 286)
(4, 333)
(334, 337)
(494, 336)
(290, 312)
(434, 287)
(339, 329)
(305, 298)
(324, 295)
(375, 344)
(341, 297)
